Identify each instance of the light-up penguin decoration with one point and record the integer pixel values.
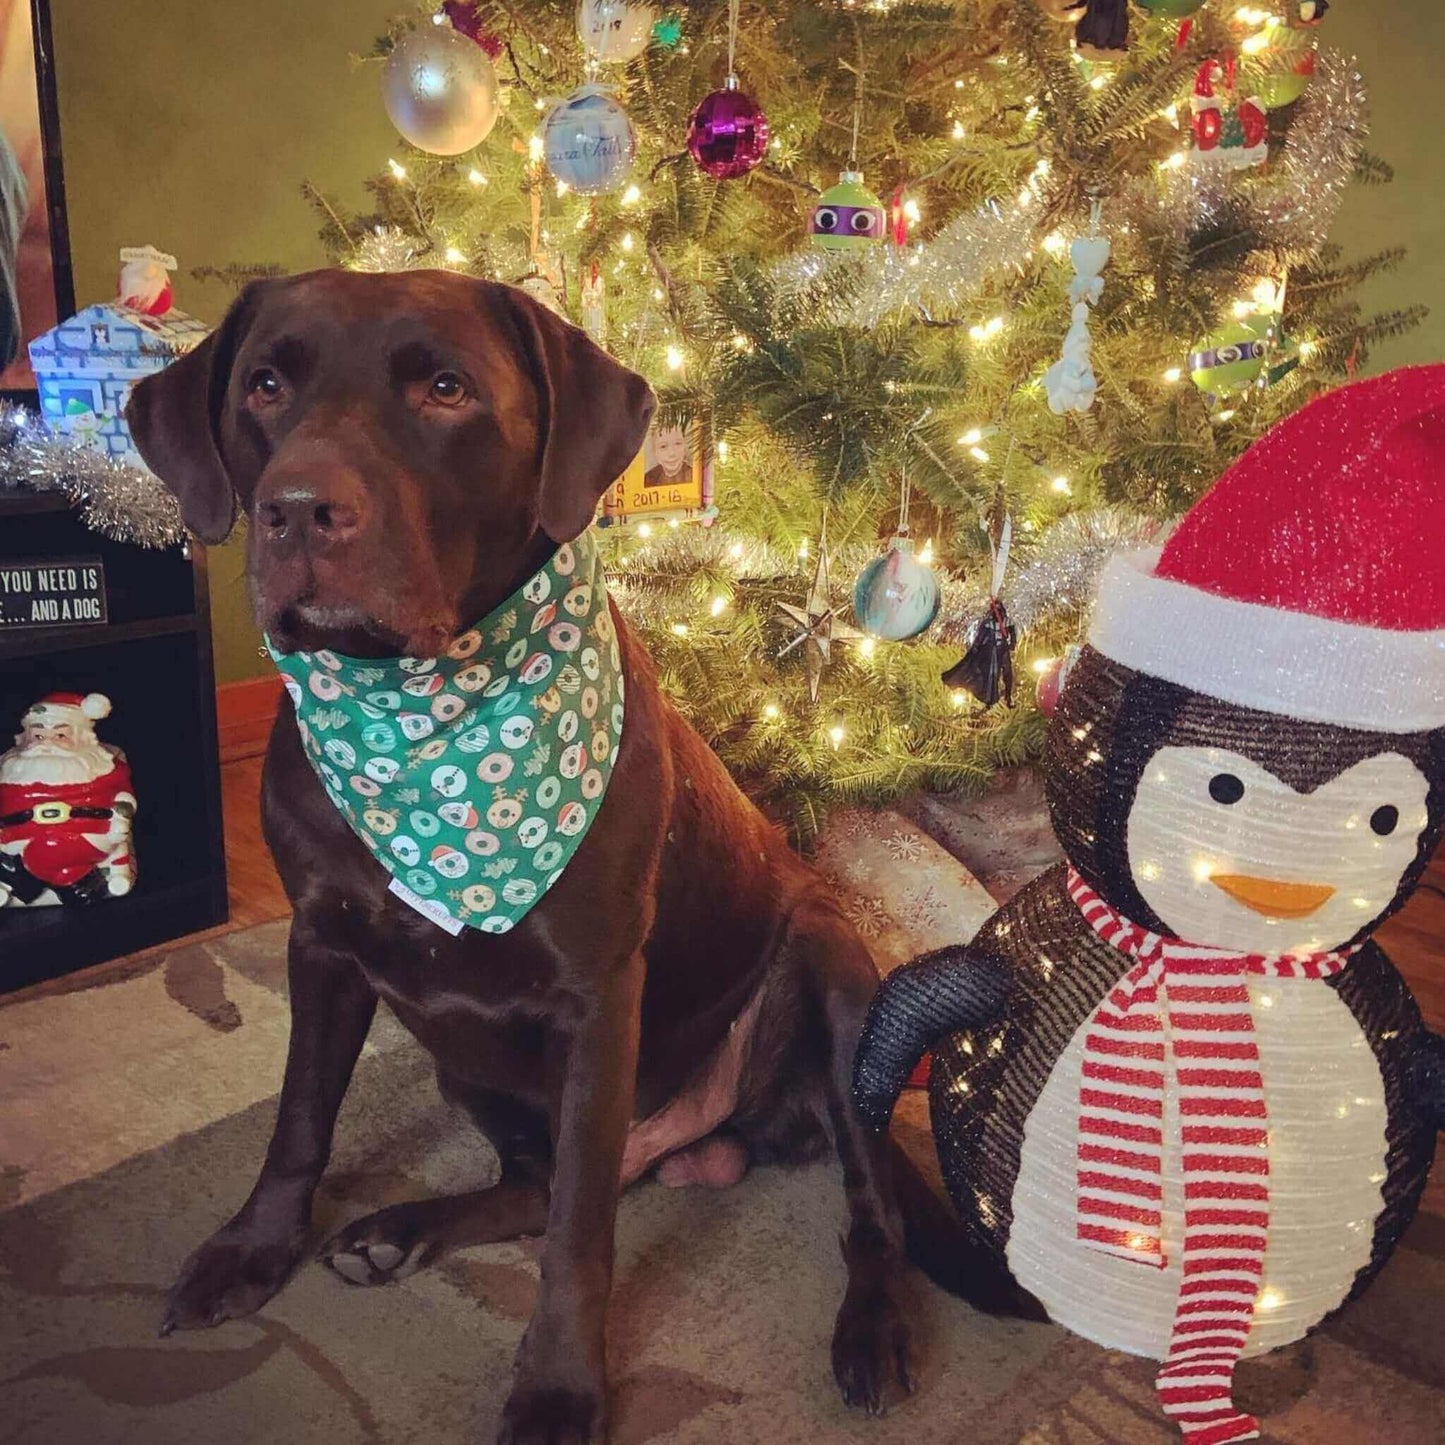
(1178, 1094)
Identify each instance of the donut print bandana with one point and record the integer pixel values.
(473, 778)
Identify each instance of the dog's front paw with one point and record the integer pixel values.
(232, 1274)
(872, 1350)
(543, 1415)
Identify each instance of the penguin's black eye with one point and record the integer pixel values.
(1225, 788)
(1383, 820)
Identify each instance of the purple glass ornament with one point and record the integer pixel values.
(728, 133)
(465, 20)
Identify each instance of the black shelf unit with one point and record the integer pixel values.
(152, 658)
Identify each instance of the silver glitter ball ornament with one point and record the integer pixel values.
(440, 90)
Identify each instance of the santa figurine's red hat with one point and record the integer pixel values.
(1310, 580)
(83, 709)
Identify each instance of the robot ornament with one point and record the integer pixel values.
(1178, 1093)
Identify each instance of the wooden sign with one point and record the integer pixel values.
(56, 592)
(669, 480)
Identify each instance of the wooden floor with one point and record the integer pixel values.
(255, 890)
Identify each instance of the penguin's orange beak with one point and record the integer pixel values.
(1273, 898)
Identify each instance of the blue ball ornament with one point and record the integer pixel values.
(896, 596)
(589, 142)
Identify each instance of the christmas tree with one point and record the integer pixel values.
(1067, 275)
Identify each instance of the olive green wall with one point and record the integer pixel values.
(191, 125)
(1401, 49)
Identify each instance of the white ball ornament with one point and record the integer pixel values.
(614, 31)
(589, 142)
(440, 90)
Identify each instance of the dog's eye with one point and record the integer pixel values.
(447, 389)
(264, 385)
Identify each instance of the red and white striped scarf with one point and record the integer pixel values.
(1209, 1043)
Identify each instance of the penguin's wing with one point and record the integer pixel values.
(1427, 1069)
(939, 993)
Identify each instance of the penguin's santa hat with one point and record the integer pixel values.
(1310, 580)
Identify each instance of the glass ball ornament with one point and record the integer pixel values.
(727, 135)
(1285, 70)
(440, 90)
(589, 142)
(896, 596)
(848, 216)
(614, 31)
(1230, 359)
(465, 18)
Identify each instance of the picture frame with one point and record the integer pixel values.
(669, 480)
(37, 284)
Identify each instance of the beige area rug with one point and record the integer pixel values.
(134, 1111)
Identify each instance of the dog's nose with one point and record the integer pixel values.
(309, 515)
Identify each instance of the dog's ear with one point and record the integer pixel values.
(595, 417)
(174, 418)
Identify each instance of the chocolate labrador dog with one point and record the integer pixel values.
(407, 451)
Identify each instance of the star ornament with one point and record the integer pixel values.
(818, 626)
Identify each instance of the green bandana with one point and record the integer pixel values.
(474, 777)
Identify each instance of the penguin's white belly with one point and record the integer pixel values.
(1327, 1124)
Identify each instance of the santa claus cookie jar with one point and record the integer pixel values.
(1176, 1089)
(66, 805)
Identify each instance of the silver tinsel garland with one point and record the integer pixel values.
(1318, 159)
(1054, 581)
(1057, 579)
(1293, 202)
(932, 276)
(1292, 205)
(123, 502)
(390, 249)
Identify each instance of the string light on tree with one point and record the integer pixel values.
(897, 317)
